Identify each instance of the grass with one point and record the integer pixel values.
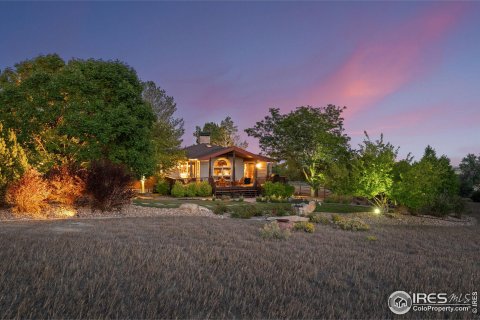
(175, 203)
(180, 267)
(342, 208)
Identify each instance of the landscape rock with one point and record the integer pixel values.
(190, 207)
(307, 209)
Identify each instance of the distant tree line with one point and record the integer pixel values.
(310, 143)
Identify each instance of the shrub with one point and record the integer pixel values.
(204, 189)
(459, 206)
(305, 226)
(318, 218)
(245, 211)
(178, 189)
(28, 194)
(162, 187)
(66, 186)
(444, 204)
(351, 224)
(280, 210)
(13, 161)
(278, 189)
(220, 208)
(336, 218)
(273, 231)
(108, 184)
(371, 238)
(191, 190)
(475, 196)
(337, 198)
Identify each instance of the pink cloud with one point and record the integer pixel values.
(377, 69)
(430, 120)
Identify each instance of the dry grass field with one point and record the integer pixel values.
(186, 267)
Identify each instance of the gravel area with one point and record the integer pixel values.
(142, 211)
(127, 211)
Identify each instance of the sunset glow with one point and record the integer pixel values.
(408, 70)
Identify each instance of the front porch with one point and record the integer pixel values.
(230, 171)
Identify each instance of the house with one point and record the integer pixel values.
(228, 169)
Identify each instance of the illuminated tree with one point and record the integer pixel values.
(374, 168)
(13, 161)
(311, 138)
(78, 112)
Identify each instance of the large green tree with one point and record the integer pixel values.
(311, 138)
(167, 130)
(469, 174)
(374, 171)
(77, 112)
(223, 134)
(418, 184)
(13, 160)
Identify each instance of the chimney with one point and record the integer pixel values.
(204, 138)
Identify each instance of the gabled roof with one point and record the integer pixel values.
(204, 151)
(200, 150)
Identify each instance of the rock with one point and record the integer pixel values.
(289, 218)
(307, 209)
(190, 207)
(194, 208)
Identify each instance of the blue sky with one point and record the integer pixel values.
(410, 70)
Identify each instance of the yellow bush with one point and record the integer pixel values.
(28, 195)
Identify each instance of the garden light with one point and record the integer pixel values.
(376, 210)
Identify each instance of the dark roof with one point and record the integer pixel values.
(203, 151)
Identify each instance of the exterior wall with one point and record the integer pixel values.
(238, 168)
(262, 171)
(204, 166)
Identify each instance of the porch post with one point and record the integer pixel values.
(209, 169)
(255, 174)
(233, 172)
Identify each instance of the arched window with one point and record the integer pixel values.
(222, 168)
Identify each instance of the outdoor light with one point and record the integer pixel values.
(142, 182)
(377, 210)
(258, 165)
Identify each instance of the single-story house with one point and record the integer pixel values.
(230, 170)
(223, 167)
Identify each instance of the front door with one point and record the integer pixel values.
(249, 172)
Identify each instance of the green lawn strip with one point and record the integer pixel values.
(341, 208)
(175, 203)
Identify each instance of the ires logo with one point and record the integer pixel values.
(400, 302)
(431, 298)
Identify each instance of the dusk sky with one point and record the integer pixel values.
(410, 70)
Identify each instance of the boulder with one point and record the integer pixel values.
(194, 208)
(307, 209)
(190, 207)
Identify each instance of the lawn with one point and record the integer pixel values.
(342, 208)
(184, 267)
(175, 203)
